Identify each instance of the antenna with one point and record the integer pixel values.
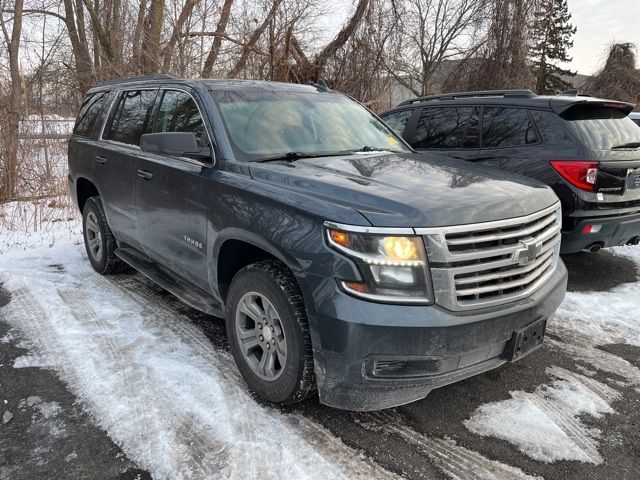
(321, 85)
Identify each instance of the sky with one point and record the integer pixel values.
(600, 23)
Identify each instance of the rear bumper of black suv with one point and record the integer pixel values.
(370, 356)
(615, 229)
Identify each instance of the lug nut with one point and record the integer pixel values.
(259, 325)
(268, 346)
(261, 338)
(273, 341)
(272, 329)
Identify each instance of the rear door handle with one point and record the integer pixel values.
(144, 174)
(101, 160)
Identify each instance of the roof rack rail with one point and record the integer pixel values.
(479, 93)
(142, 78)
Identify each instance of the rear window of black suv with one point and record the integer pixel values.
(89, 113)
(601, 128)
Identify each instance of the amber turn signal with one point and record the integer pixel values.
(339, 237)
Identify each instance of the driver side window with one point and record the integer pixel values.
(179, 113)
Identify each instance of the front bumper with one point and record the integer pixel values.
(370, 356)
(616, 230)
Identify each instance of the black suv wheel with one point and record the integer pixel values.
(269, 334)
(98, 239)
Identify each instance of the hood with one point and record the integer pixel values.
(410, 190)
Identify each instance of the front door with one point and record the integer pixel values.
(172, 192)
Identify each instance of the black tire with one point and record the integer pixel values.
(275, 282)
(95, 228)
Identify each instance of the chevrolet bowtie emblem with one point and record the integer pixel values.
(527, 251)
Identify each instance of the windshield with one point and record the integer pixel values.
(264, 124)
(602, 128)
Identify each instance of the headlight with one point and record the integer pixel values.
(394, 267)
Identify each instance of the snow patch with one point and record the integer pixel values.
(455, 461)
(174, 403)
(545, 424)
(602, 318)
(40, 223)
(30, 360)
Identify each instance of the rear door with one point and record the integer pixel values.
(82, 144)
(509, 139)
(452, 131)
(173, 192)
(116, 160)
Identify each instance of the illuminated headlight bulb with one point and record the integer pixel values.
(402, 248)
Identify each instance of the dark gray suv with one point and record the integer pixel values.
(340, 258)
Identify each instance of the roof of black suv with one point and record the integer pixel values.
(218, 84)
(520, 98)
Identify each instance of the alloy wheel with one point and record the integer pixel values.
(94, 237)
(261, 336)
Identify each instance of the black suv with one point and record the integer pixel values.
(339, 257)
(586, 149)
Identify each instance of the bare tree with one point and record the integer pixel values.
(619, 78)
(12, 113)
(433, 32)
(501, 61)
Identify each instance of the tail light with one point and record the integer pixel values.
(580, 174)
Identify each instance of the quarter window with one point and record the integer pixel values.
(447, 127)
(131, 117)
(179, 113)
(89, 113)
(398, 120)
(507, 127)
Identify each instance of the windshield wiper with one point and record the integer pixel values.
(627, 145)
(369, 148)
(292, 156)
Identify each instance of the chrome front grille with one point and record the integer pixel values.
(487, 264)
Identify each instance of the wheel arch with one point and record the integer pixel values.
(236, 249)
(85, 189)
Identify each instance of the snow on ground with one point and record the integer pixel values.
(178, 407)
(49, 123)
(173, 402)
(602, 318)
(39, 223)
(545, 424)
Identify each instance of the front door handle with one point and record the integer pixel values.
(101, 160)
(145, 175)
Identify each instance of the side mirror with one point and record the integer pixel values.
(177, 144)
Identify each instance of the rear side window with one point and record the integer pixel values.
(131, 117)
(89, 112)
(398, 120)
(447, 127)
(552, 128)
(507, 127)
(179, 113)
(601, 128)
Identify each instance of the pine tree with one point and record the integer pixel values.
(551, 36)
